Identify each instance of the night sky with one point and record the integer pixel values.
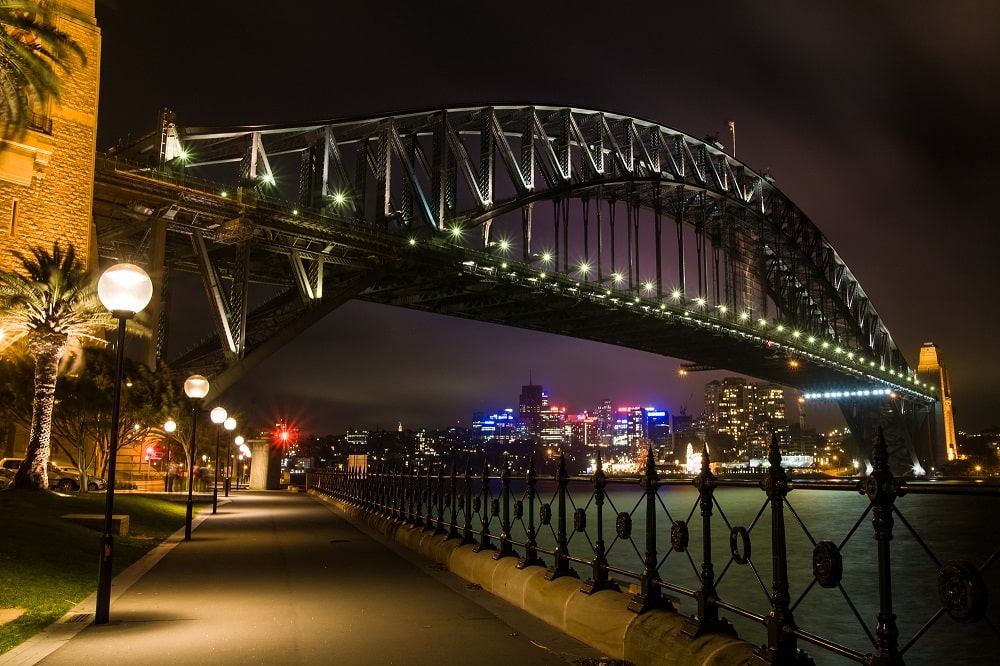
(879, 120)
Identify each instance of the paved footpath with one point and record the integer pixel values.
(283, 578)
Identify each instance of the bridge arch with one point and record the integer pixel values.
(576, 221)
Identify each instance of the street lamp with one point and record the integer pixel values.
(230, 425)
(234, 470)
(219, 417)
(124, 289)
(195, 388)
(170, 427)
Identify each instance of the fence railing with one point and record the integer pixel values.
(839, 597)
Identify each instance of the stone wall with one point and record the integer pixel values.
(47, 179)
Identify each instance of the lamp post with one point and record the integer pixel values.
(233, 471)
(230, 425)
(218, 416)
(124, 289)
(195, 388)
(170, 427)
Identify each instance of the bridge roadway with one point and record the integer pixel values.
(282, 578)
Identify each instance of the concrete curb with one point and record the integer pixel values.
(602, 619)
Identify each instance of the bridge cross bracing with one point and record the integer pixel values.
(573, 221)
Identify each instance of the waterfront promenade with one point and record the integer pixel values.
(283, 578)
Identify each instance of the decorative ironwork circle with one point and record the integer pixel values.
(623, 525)
(579, 520)
(828, 565)
(518, 509)
(475, 505)
(739, 544)
(544, 514)
(962, 590)
(679, 536)
(495, 507)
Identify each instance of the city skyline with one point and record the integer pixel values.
(864, 139)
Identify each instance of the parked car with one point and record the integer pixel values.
(60, 478)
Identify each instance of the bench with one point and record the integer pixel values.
(95, 521)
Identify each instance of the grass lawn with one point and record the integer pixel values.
(48, 564)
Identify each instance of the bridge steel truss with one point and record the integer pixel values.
(573, 221)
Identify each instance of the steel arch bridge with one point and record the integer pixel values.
(573, 221)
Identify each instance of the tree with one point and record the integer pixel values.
(54, 307)
(32, 53)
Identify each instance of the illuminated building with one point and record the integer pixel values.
(529, 409)
(747, 412)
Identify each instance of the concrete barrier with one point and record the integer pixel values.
(602, 619)
(95, 521)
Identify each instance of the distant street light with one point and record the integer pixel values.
(238, 442)
(230, 425)
(218, 416)
(124, 289)
(195, 388)
(170, 427)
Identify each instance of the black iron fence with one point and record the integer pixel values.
(914, 588)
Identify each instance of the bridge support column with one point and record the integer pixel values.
(265, 465)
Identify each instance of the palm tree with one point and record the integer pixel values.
(53, 306)
(32, 54)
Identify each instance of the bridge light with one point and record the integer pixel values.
(675, 294)
(850, 355)
(339, 198)
(541, 276)
(547, 257)
(618, 278)
(811, 339)
(762, 321)
(744, 315)
(723, 309)
(456, 232)
(584, 268)
(223, 194)
(779, 328)
(825, 345)
(504, 265)
(412, 242)
(796, 334)
(267, 179)
(700, 302)
(647, 286)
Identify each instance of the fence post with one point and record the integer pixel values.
(599, 574)
(561, 566)
(882, 489)
(530, 545)
(439, 524)
(781, 642)
(649, 596)
(708, 613)
(506, 549)
(486, 511)
(467, 526)
(453, 532)
(418, 495)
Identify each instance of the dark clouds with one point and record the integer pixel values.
(876, 118)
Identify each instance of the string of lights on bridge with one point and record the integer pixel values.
(792, 339)
(796, 342)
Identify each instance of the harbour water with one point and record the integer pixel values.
(947, 528)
